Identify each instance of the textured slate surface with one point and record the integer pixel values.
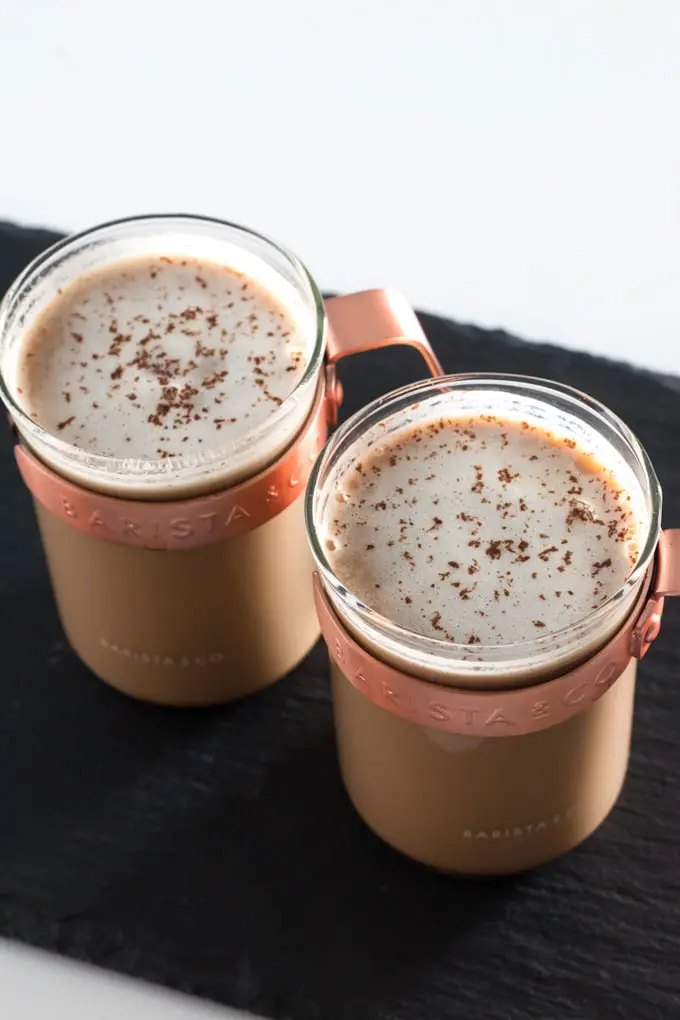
(215, 851)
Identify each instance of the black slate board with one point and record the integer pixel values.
(215, 851)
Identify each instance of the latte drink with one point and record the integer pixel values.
(167, 377)
(479, 541)
(165, 358)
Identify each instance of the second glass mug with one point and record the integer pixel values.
(206, 596)
(487, 759)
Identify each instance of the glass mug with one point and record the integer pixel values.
(188, 580)
(496, 759)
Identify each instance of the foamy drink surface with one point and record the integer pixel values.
(159, 357)
(480, 531)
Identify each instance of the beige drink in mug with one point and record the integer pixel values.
(171, 380)
(489, 573)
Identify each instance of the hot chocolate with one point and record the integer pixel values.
(164, 357)
(482, 544)
(480, 531)
(164, 375)
(171, 380)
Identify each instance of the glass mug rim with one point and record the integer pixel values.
(152, 470)
(431, 652)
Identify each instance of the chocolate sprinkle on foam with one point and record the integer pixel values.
(506, 515)
(166, 353)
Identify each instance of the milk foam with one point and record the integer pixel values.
(481, 530)
(160, 357)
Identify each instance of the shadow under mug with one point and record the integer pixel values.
(487, 761)
(205, 596)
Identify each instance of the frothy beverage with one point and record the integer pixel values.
(480, 531)
(162, 357)
(171, 380)
(165, 375)
(483, 544)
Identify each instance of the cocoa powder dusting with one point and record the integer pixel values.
(509, 490)
(148, 348)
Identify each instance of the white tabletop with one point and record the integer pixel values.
(39, 986)
(511, 163)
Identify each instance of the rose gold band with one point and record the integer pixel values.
(357, 322)
(506, 712)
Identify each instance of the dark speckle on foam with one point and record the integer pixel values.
(481, 531)
(159, 357)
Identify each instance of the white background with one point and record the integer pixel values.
(507, 162)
